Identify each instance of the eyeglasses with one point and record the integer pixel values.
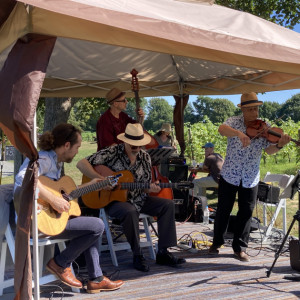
(134, 147)
(121, 100)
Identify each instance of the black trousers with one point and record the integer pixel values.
(246, 202)
(163, 209)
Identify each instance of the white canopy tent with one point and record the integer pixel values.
(177, 46)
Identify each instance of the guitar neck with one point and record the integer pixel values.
(142, 185)
(87, 189)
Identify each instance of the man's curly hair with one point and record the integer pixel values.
(60, 135)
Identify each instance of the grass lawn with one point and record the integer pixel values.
(283, 167)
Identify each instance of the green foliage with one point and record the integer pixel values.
(159, 111)
(217, 110)
(291, 109)
(130, 109)
(283, 12)
(269, 110)
(86, 112)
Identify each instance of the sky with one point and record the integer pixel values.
(278, 96)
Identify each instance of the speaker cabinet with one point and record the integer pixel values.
(177, 173)
(181, 199)
(295, 254)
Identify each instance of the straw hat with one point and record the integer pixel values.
(134, 135)
(166, 127)
(114, 94)
(249, 99)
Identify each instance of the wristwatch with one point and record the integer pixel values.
(278, 146)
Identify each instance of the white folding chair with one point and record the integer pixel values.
(283, 182)
(9, 242)
(117, 246)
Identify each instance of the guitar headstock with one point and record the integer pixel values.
(113, 180)
(184, 185)
(134, 80)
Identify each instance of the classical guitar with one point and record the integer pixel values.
(125, 183)
(49, 221)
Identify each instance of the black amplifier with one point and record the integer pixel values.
(177, 160)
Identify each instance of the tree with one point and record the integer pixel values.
(217, 110)
(86, 112)
(291, 108)
(159, 111)
(130, 110)
(189, 114)
(283, 12)
(270, 110)
(57, 110)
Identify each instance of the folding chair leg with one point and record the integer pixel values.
(103, 216)
(274, 217)
(149, 240)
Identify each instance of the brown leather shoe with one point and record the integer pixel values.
(65, 275)
(242, 256)
(104, 285)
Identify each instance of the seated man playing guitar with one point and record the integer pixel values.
(57, 147)
(130, 156)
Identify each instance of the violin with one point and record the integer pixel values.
(259, 128)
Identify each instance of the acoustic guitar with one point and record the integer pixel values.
(49, 221)
(126, 182)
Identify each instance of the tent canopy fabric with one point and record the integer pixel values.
(178, 47)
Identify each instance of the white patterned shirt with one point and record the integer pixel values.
(242, 163)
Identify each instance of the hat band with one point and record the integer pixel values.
(119, 95)
(249, 102)
(134, 137)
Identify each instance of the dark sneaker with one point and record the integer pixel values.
(168, 259)
(139, 263)
(213, 249)
(242, 256)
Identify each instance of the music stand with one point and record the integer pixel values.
(293, 187)
(158, 154)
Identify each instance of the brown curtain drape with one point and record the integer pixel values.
(21, 79)
(178, 117)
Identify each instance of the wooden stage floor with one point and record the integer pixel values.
(204, 276)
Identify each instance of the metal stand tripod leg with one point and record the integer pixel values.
(295, 218)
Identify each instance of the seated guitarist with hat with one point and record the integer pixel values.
(57, 147)
(130, 156)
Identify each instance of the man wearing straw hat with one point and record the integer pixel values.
(130, 156)
(114, 120)
(240, 174)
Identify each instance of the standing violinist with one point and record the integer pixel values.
(240, 175)
(114, 120)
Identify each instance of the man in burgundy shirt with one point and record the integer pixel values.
(114, 120)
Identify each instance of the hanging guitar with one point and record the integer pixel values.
(135, 88)
(51, 222)
(125, 183)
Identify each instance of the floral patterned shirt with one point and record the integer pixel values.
(117, 160)
(242, 164)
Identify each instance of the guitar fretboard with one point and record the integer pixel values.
(141, 185)
(87, 189)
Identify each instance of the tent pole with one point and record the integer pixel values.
(36, 269)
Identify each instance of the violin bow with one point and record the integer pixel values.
(135, 89)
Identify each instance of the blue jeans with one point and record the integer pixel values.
(83, 233)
